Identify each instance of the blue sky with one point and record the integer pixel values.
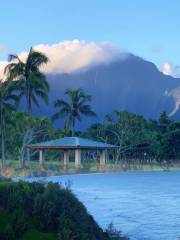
(147, 28)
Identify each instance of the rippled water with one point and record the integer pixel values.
(145, 206)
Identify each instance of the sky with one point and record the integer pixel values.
(147, 28)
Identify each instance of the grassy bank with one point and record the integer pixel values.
(52, 168)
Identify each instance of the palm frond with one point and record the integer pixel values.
(76, 106)
(36, 59)
(42, 95)
(64, 112)
(12, 57)
(8, 107)
(13, 97)
(55, 116)
(35, 101)
(78, 117)
(84, 100)
(61, 103)
(86, 110)
(38, 80)
(14, 70)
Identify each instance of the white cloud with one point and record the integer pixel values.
(167, 69)
(2, 66)
(69, 56)
(170, 69)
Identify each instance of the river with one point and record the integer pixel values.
(143, 205)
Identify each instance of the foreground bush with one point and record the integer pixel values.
(35, 211)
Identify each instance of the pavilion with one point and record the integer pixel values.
(73, 143)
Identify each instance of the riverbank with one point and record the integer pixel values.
(55, 168)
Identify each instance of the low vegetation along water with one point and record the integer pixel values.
(144, 205)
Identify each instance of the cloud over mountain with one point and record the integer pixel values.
(170, 69)
(136, 84)
(69, 56)
(166, 69)
(72, 55)
(2, 66)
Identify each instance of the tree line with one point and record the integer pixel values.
(24, 80)
(155, 140)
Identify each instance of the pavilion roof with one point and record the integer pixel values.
(72, 143)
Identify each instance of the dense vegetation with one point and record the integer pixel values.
(157, 140)
(148, 141)
(33, 211)
(139, 139)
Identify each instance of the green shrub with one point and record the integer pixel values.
(38, 211)
(114, 234)
(33, 234)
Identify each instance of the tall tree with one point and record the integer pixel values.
(32, 81)
(8, 98)
(74, 108)
(164, 122)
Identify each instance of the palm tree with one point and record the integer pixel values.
(74, 108)
(32, 81)
(7, 104)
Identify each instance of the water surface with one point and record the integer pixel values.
(144, 205)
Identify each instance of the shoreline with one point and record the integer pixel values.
(55, 168)
(59, 174)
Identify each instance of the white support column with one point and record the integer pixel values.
(66, 160)
(41, 159)
(102, 160)
(78, 158)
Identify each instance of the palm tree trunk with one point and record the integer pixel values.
(28, 97)
(28, 102)
(25, 155)
(73, 127)
(2, 138)
(29, 105)
(2, 148)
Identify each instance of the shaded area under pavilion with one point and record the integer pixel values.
(76, 144)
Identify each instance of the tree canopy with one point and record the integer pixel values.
(32, 82)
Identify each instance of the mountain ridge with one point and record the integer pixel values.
(131, 84)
